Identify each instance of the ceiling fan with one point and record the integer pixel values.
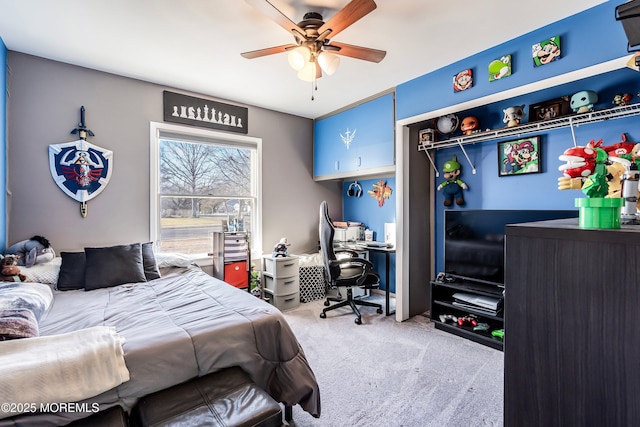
(313, 51)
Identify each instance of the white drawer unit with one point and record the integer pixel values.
(284, 302)
(280, 266)
(281, 281)
(282, 285)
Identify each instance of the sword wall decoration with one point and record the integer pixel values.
(82, 129)
(80, 169)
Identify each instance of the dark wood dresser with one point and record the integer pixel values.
(572, 316)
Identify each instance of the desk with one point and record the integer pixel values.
(387, 252)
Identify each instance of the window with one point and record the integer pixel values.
(202, 181)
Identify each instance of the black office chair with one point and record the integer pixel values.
(344, 268)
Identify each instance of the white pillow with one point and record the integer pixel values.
(46, 273)
(170, 259)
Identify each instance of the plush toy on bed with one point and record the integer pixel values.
(10, 271)
(35, 250)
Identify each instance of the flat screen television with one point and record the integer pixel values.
(474, 240)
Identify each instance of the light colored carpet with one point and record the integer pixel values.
(388, 373)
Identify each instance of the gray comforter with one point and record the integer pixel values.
(183, 325)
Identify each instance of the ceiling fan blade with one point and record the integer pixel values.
(280, 18)
(268, 51)
(358, 52)
(346, 16)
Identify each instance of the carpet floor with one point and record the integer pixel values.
(388, 373)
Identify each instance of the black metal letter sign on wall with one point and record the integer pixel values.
(189, 110)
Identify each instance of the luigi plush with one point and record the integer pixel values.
(452, 187)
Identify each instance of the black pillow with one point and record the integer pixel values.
(112, 266)
(71, 271)
(149, 262)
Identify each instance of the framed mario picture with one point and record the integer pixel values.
(519, 156)
(463, 80)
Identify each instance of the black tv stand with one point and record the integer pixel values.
(442, 303)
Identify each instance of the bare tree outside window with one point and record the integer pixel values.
(203, 187)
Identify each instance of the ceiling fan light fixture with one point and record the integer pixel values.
(313, 53)
(299, 57)
(329, 62)
(308, 72)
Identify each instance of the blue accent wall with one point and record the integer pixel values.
(365, 209)
(3, 144)
(587, 38)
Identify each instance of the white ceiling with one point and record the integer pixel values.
(195, 45)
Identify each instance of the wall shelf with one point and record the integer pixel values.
(528, 128)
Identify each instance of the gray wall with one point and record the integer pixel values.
(44, 106)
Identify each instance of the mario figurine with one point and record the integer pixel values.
(452, 187)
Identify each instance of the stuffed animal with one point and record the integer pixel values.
(35, 250)
(10, 271)
(452, 186)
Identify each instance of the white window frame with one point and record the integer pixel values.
(155, 131)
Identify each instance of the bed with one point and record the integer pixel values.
(179, 326)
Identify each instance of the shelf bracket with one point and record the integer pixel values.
(473, 168)
(573, 132)
(433, 165)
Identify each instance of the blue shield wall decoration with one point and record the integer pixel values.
(82, 170)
